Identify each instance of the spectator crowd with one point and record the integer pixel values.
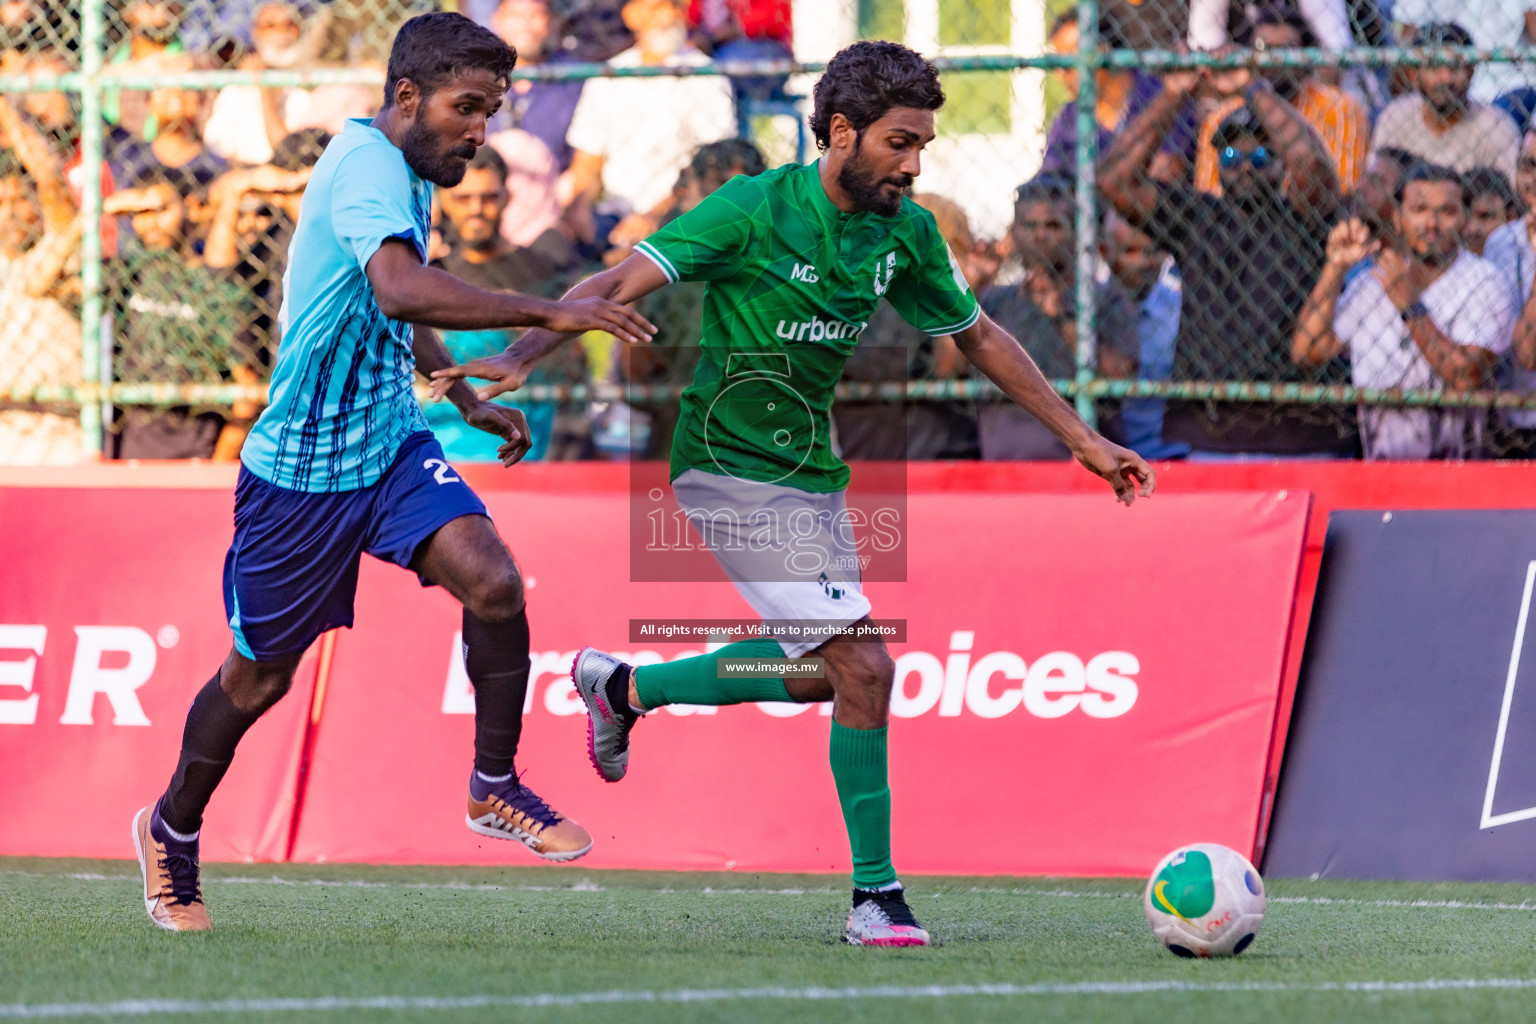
(1258, 225)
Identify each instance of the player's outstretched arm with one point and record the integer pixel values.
(407, 290)
(995, 353)
(633, 279)
(505, 422)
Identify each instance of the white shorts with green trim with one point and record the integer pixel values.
(790, 553)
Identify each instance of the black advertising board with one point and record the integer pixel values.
(1412, 746)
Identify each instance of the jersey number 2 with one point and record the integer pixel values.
(444, 475)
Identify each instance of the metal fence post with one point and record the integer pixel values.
(1087, 221)
(91, 43)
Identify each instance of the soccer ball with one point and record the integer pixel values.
(1205, 900)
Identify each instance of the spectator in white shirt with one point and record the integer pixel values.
(248, 121)
(1427, 316)
(633, 136)
(1440, 123)
(1493, 24)
(1510, 249)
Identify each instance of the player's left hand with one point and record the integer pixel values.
(505, 422)
(1127, 472)
(505, 371)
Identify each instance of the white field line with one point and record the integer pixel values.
(150, 1007)
(588, 886)
(584, 885)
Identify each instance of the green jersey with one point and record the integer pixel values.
(791, 282)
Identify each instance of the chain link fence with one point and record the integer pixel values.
(1223, 229)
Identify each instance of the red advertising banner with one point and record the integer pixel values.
(111, 620)
(1070, 666)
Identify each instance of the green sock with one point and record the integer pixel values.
(858, 768)
(698, 681)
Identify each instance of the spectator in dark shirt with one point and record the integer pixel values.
(253, 215)
(1151, 278)
(541, 108)
(1341, 122)
(175, 320)
(152, 44)
(1041, 312)
(673, 354)
(1247, 257)
(890, 349)
(477, 253)
(177, 155)
(1491, 203)
(1122, 95)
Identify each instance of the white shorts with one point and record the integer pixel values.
(790, 553)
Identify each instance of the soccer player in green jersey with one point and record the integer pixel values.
(796, 260)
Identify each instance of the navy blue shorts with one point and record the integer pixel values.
(291, 572)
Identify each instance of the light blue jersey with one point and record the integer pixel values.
(341, 400)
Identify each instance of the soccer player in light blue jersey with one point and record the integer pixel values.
(341, 462)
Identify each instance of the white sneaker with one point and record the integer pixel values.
(607, 726)
(882, 918)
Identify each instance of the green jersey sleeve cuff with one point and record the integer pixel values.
(955, 328)
(653, 254)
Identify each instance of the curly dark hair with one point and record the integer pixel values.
(866, 80)
(1490, 181)
(1432, 174)
(431, 49)
(722, 156)
(300, 149)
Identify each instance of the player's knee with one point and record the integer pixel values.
(873, 673)
(882, 671)
(255, 692)
(274, 688)
(809, 691)
(498, 597)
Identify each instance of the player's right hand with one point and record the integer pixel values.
(505, 371)
(575, 316)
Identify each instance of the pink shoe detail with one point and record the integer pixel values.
(591, 735)
(912, 937)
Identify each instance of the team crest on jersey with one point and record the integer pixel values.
(888, 267)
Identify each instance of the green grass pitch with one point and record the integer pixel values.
(342, 944)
